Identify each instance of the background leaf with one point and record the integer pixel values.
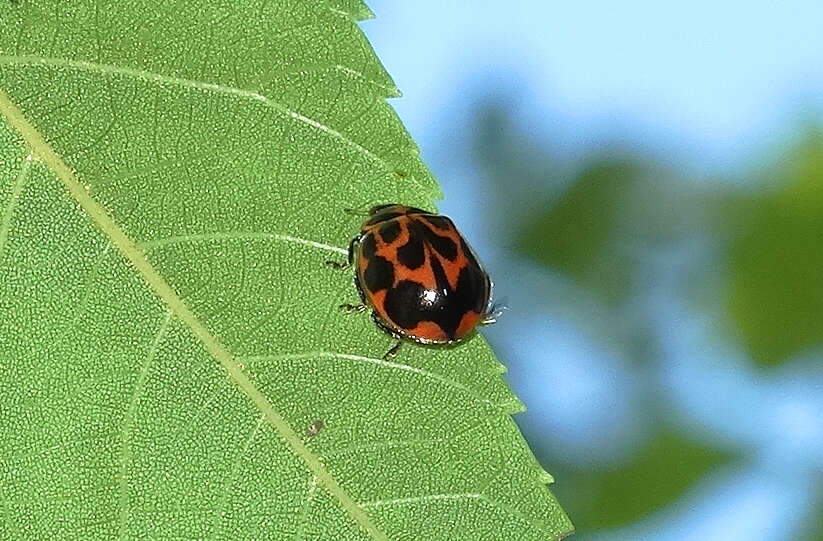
(172, 179)
(778, 236)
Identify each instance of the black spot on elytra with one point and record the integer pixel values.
(403, 304)
(368, 246)
(440, 222)
(475, 283)
(379, 274)
(443, 245)
(472, 261)
(407, 305)
(390, 231)
(475, 277)
(411, 255)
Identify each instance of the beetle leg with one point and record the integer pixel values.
(494, 309)
(393, 351)
(388, 330)
(494, 313)
(359, 308)
(352, 243)
(350, 260)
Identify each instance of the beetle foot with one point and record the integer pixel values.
(392, 353)
(494, 313)
(359, 308)
(338, 265)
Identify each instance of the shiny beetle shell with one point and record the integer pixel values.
(419, 276)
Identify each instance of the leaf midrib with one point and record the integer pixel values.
(42, 151)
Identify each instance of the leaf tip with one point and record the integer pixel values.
(546, 478)
(515, 406)
(364, 13)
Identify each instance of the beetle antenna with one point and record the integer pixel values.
(356, 212)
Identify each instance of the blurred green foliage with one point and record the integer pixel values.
(604, 221)
(615, 210)
(576, 237)
(817, 530)
(658, 473)
(775, 296)
(600, 224)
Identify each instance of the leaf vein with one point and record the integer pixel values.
(137, 258)
(224, 497)
(128, 426)
(108, 69)
(380, 362)
(539, 526)
(414, 442)
(304, 512)
(16, 192)
(426, 498)
(82, 304)
(206, 237)
(7, 515)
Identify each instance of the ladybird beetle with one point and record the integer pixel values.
(419, 276)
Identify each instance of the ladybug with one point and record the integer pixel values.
(419, 277)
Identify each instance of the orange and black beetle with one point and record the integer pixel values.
(418, 275)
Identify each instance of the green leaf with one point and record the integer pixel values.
(172, 178)
(775, 299)
(575, 234)
(615, 210)
(666, 467)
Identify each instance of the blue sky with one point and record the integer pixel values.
(716, 80)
